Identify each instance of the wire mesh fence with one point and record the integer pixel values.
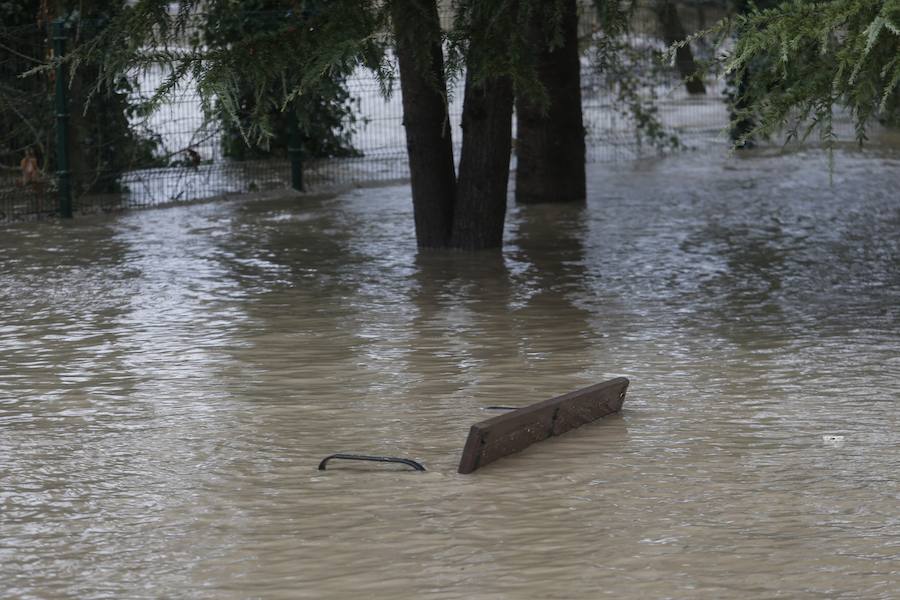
(26, 125)
(122, 158)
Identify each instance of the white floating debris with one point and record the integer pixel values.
(835, 441)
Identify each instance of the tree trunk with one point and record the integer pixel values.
(484, 165)
(550, 147)
(428, 139)
(673, 31)
(467, 214)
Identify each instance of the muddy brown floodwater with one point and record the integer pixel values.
(169, 380)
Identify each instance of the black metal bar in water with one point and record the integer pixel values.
(388, 459)
(295, 151)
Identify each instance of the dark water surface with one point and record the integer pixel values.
(169, 380)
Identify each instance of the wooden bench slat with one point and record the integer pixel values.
(514, 431)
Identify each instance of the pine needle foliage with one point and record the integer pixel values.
(303, 49)
(801, 61)
(499, 29)
(307, 45)
(325, 121)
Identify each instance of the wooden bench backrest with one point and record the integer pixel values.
(503, 435)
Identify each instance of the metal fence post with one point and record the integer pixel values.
(295, 152)
(62, 123)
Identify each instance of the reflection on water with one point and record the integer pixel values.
(169, 380)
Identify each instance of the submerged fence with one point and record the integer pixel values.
(58, 157)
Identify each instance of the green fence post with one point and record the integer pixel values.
(62, 123)
(295, 152)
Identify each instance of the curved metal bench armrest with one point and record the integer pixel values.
(387, 459)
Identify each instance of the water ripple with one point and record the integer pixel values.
(169, 380)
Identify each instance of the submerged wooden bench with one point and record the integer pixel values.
(522, 427)
(516, 430)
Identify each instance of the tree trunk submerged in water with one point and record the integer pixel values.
(550, 148)
(429, 145)
(468, 213)
(480, 209)
(673, 31)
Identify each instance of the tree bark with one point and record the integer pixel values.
(550, 146)
(484, 164)
(673, 31)
(468, 213)
(428, 138)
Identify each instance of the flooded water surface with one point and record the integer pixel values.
(170, 379)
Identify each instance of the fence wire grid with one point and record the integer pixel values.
(121, 159)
